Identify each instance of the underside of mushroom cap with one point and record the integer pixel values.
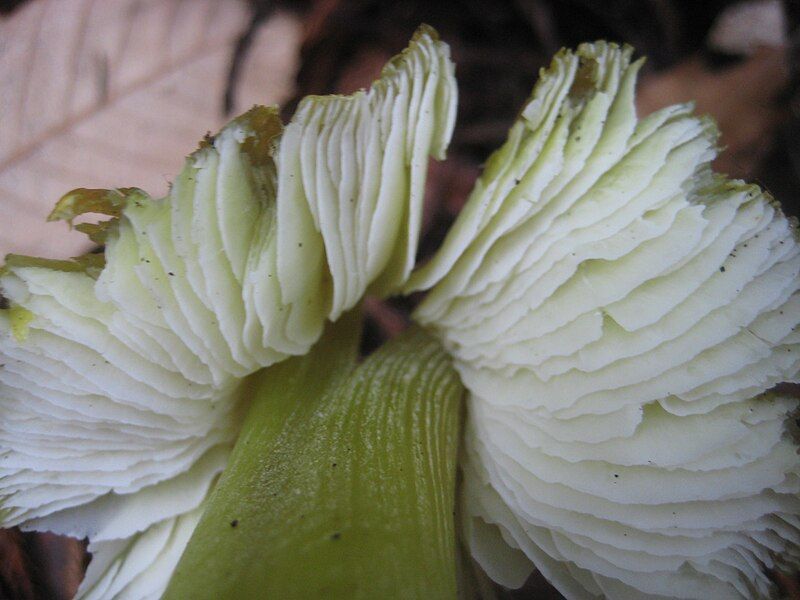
(618, 312)
(120, 372)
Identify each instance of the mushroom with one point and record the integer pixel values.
(620, 315)
(120, 373)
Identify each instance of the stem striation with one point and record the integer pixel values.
(342, 483)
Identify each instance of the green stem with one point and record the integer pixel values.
(342, 483)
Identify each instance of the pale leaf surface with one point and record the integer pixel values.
(114, 93)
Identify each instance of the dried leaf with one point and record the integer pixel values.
(743, 27)
(741, 98)
(37, 566)
(16, 579)
(116, 93)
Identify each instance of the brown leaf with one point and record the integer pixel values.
(62, 562)
(741, 98)
(16, 577)
(116, 93)
(36, 566)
